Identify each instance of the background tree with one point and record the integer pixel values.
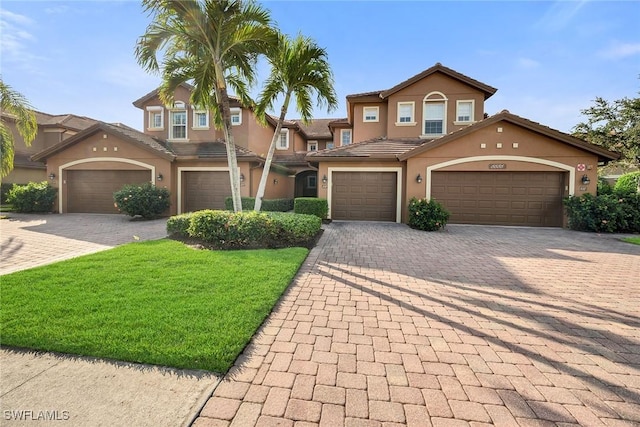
(614, 126)
(17, 106)
(299, 70)
(214, 44)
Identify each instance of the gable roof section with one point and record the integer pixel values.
(504, 115)
(66, 121)
(486, 89)
(316, 129)
(209, 150)
(235, 102)
(120, 131)
(373, 149)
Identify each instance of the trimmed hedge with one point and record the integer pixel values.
(311, 206)
(427, 215)
(607, 213)
(145, 200)
(235, 230)
(627, 183)
(32, 197)
(268, 205)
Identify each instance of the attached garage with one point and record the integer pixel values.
(91, 191)
(365, 196)
(501, 198)
(205, 190)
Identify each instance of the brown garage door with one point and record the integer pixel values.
(367, 196)
(501, 198)
(205, 190)
(91, 191)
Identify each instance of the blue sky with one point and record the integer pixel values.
(548, 60)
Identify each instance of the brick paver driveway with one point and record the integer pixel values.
(385, 325)
(27, 241)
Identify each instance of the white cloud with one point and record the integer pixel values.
(128, 74)
(560, 14)
(15, 41)
(7, 16)
(55, 10)
(527, 63)
(618, 50)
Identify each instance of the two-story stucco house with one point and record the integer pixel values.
(428, 136)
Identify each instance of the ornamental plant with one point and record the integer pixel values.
(609, 213)
(427, 215)
(627, 183)
(144, 200)
(32, 197)
(311, 206)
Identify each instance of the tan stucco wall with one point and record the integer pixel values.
(362, 130)
(111, 149)
(454, 91)
(283, 189)
(25, 175)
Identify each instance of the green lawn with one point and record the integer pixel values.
(634, 240)
(157, 302)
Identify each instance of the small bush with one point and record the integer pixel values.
(179, 224)
(4, 191)
(268, 205)
(604, 187)
(32, 197)
(145, 200)
(311, 206)
(609, 213)
(427, 215)
(627, 183)
(232, 230)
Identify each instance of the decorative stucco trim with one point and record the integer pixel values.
(570, 169)
(399, 178)
(61, 168)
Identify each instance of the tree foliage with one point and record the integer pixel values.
(614, 125)
(213, 44)
(14, 105)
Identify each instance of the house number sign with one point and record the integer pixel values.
(497, 166)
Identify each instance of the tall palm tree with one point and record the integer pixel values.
(17, 106)
(299, 70)
(215, 45)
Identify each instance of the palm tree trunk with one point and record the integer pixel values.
(234, 177)
(267, 164)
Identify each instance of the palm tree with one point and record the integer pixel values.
(215, 45)
(299, 69)
(17, 106)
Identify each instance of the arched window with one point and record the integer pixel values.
(434, 114)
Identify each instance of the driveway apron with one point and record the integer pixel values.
(385, 325)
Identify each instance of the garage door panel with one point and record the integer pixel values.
(369, 196)
(205, 190)
(91, 191)
(503, 198)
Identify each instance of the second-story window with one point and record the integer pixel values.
(236, 116)
(405, 113)
(312, 146)
(370, 114)
(435, 110)
(200, 119)
(156, 117)
(464, 113)
(345, 136)
(283, 141)
(178, 124)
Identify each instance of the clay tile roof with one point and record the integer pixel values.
(377, 148)
(438, 67)
(140, 137)
(235, 101)
(208, 150)
(68, 121)
(23, 160)
(291, 159)
(372, 93)
(318, 128)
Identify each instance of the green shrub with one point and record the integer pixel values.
(609, 213)
(4, 191)
(250, 229)
(604, 187)
(32, 197)
(179, 224)
(311, 206)
(627, 183)
(427, 215)
(145, 200)
(268, 205)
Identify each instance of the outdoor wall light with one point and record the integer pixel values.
(241, 177)
(52, 176)
(419, 179)
(585, 179)
(324, 179)
(275, 181)
(160, 177)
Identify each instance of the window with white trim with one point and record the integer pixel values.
(156, 117)
(312, 146)
(405, 113)
(200, 119)
(435, 115)
(283, 141)
(345, 136)
(312, 181)
(370, 114)
(330, 145)
(178, 124)
(236, 116)
(464, 111)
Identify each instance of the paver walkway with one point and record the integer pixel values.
(388, 326)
